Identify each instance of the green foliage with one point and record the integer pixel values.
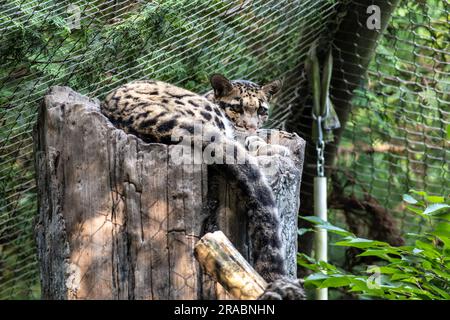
(418, 271)
(180, 41)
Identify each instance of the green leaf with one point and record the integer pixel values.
(444, 273)
(302, 231)
(383, 254)
(306, 258)
(442, 231)
(417, 211)
(387, 270)
(327, 266)
(321, 280)
(428, 249)
(360, 243)
(400, 276)
(435, 199)
(432, 209)
(409, 199)
(327, 226)
(316, 279)
(426, 265)
(307, 262)
(439, 291)
(420, 193)
(336, 281)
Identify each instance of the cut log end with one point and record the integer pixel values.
(221, 260)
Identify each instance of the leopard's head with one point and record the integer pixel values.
(246, 104)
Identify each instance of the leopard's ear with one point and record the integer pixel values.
(221, 85)
(272, 88)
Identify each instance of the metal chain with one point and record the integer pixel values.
(320, 148)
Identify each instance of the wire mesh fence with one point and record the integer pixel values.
(395, 137)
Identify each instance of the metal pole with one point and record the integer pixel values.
(320, 210)
(320, 205)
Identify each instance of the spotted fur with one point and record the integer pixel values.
(154, 110)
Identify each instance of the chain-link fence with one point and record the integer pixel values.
(395, 110)
(397, 138)
(394, 137)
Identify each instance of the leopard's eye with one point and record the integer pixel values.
(236, 108)
(262, 111)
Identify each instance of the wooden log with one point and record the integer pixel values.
(118, 220)
(226, 265)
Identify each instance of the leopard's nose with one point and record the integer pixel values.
(251, 129)
(250, 126)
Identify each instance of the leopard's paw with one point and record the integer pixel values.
(284, 289)
(253, 143)
(258, 147)
(273, 149)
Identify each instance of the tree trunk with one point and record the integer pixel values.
(118, 220)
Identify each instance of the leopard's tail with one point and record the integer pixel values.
(262, 213)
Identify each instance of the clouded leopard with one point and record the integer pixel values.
(154, 110)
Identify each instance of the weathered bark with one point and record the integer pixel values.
(227, 266)
(119, 220)
(354, 46)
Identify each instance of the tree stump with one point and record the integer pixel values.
(118, 220)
